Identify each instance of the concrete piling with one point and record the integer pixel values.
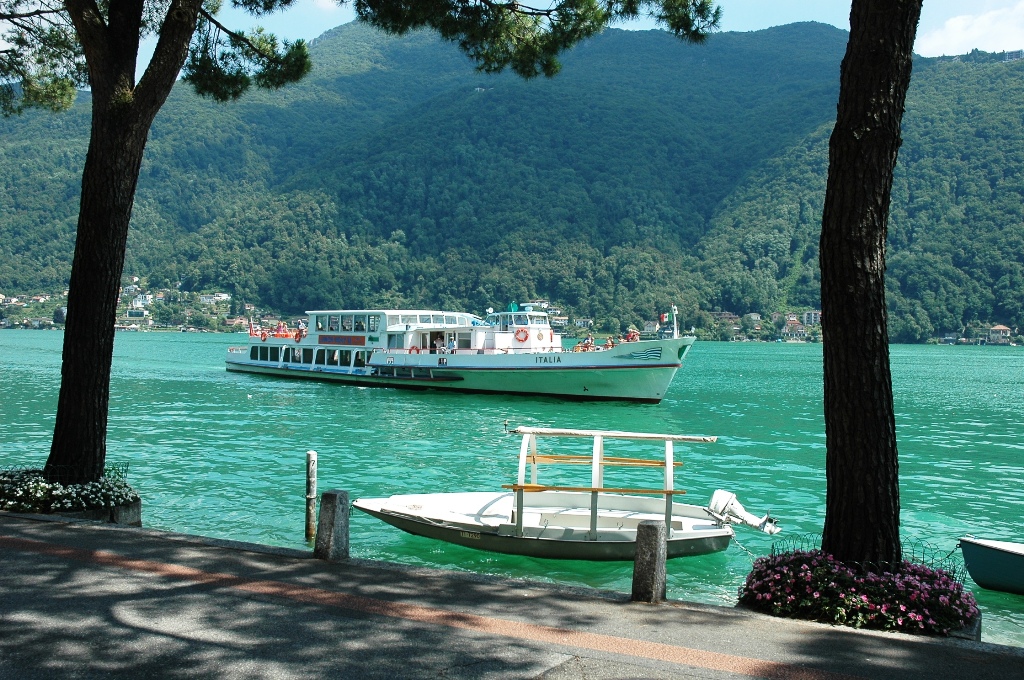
(332, 530)
(649, 563)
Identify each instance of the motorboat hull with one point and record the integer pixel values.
(555, 527)
(995, 565)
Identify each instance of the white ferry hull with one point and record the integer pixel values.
(637, 371)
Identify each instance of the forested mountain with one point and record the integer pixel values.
(647, 172)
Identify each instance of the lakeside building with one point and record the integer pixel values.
(999, 335)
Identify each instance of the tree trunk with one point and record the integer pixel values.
(117, 142)
(861, 466)
(122, 114)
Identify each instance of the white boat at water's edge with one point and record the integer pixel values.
(591, 522)
(512, 352)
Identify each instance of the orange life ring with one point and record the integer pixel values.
(522, 335)
(263, 336)
(414, 350)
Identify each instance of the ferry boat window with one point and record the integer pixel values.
(254, 353)
(264, 353)
(464, 340)
(393, 319)
(307, 355)
(332, 358)
(437, 318)
(424, 318)
(519, 319)
(319, 357)
(451, 320)
(538, 320)
(374, 323)
(360, 324)
(361, 359)
(314, 322)
(346, 357)
(346, 322)
(408, 318)
(492, 319)
(395, 340)
(275, 353)
(286, 354)
(296, 355)
(332, 323)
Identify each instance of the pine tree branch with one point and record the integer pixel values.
(238, 37)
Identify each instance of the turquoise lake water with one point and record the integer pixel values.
(223, 454)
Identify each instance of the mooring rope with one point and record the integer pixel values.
(751, 555)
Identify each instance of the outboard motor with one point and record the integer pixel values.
(725, 508)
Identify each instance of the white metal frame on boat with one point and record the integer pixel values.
(528, 456)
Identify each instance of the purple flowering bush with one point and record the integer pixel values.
(812, 585)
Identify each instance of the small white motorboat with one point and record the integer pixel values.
(995, 565)
(591, 522)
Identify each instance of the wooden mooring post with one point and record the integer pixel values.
(310, 495)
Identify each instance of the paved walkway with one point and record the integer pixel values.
(84, 600)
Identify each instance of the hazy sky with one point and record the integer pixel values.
(947, 26)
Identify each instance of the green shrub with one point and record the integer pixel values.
(28, 491)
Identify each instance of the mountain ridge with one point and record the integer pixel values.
(648, 172)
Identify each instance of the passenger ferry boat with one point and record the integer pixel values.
(513, 352)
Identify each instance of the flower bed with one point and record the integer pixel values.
(28, 491)
(812, 585)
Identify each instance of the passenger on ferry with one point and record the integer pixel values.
(609, 343)
(451, 346)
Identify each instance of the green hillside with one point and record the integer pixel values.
(647, 172)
